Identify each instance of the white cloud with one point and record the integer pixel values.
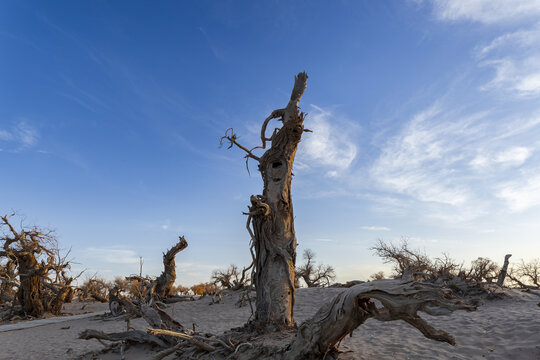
(329, 146)
(512, 156)
(486, 11)
(376, 228)
(521, 194)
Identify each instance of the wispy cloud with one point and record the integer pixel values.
(217, 52)
(521, 193)
(20, 136)
(330, 146)
(486, 11)
(375, 228)
(441, 157)
(515, 57)
(417, 162)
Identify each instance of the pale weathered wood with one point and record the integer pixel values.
(348, 310)
(191, 339)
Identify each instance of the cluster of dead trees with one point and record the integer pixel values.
(34, 276)
(310, 273)
(406, 260)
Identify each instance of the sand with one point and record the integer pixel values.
(499, 329)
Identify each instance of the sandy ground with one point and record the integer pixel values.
(499, 329)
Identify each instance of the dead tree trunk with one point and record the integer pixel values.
(271, 214)
(29, 293)
(165, 282)
(504, 270)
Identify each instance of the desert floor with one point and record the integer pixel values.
(499, 329)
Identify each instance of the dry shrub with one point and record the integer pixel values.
(95, 288)
(314, 275)
(377, 276)
(181, 290)
(204, 289)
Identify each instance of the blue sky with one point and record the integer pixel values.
(425, 119)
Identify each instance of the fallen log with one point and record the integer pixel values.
(400, 300)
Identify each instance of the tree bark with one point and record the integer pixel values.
(165, 282)
(272, 217)
(29, 293)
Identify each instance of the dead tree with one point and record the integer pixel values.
(165, 282)
(36, 256)
(482, 269)
(504, 270)
(314, 275)
(403, 257)
(526, 275)
(271, 214)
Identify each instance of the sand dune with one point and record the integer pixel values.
(499, 329)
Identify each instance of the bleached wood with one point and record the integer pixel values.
(182, 336)
(348, 310)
